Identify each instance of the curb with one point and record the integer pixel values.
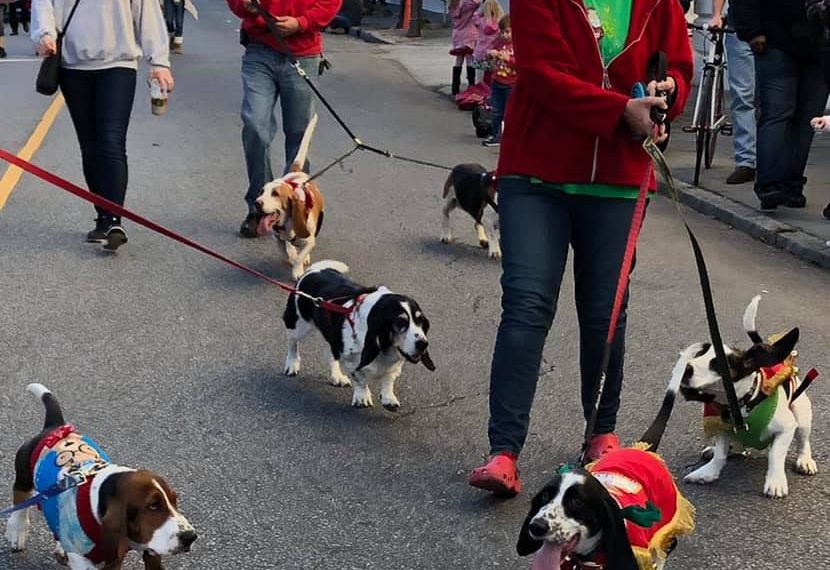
(368, 36)
(750, 221)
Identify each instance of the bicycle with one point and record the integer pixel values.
(709, 120)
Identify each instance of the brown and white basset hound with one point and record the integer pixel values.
(292, 208)
(110, 511)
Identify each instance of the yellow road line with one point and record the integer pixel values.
(13, 173)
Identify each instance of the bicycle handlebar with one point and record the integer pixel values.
(708, 28)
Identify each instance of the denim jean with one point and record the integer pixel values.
(537, 225)
(100, 103)
(791, 92)
(268, 77)
(174, 16)
(741, 68)
(499, 95)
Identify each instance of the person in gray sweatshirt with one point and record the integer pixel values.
(101, 48)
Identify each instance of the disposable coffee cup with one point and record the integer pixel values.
(158, 99)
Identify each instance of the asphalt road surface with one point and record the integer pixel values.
(172, 361)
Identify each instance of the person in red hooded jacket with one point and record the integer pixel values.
(570, 166)
(268, 76)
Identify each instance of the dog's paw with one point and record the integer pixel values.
(495, 254)
(806, 465)
(292, 366)
(339, 379)
(17, 531)
(391, 403)
(60, 555)
(78, 562)
(362, 398)
(775, 487)
(702, 476)
(447, 239)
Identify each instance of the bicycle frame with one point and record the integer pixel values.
(714, 66)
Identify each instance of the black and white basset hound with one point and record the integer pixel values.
(383, 331)
(622, 512)
(472, 188)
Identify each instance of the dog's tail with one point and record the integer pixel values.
(302, 153)
(338, 266)
(54, 414)
(654, 433)
(749, 320)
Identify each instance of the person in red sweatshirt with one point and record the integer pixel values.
(503, 78)
(571, 162)
(267, 76)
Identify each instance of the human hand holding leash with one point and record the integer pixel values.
(638, 115)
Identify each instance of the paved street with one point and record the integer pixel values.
(172, 361)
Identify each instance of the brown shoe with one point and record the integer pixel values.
(741, 175)
(177, 45)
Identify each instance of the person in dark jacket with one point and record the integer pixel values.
(818, 13)
(791, 92)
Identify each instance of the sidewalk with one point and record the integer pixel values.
(804, 233)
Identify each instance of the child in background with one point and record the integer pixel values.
(464, 35)
(504, 77)
(487, 22)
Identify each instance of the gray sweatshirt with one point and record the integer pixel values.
(105, 33)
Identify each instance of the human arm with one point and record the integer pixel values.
(746, 15)
(151, 32)
(717, 17)
(44, 31)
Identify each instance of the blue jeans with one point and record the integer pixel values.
(791, 93)
(174, 16)
(499, 95)
(537, 226)
(268, 77)
(742, 86)
(100, 103)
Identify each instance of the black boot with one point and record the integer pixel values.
(456, 80)
(471, 76)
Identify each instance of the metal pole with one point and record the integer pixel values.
(415, 22)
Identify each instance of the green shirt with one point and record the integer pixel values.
(615, 18)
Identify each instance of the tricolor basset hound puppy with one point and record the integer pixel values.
(772, 399)
(622, 512)
(383, 331)
(292, 207)
(116, 509)
(472, 188)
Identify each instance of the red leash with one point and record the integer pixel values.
(75, 190)
(622, 286)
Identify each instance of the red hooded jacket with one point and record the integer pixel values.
(564, 119)
(313, 15)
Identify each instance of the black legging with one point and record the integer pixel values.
(25, 16)
(100, 103)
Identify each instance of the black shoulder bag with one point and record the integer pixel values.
(47, 77)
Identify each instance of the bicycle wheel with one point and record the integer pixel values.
(716, 122)
(704, 115)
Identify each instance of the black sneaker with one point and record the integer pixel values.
(826, 212)
(492, 141)
(99, 234)
(249, 227)
(795, 200)
(116, 237)
(2, 52)
(772, 199)
(741, 175)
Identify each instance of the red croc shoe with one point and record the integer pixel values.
(499, 475)
(602, 444)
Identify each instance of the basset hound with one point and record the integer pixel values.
(111, 511)
(292, 207)
(383, 331)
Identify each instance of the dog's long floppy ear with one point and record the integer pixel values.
(763, 354)
(114, 542)
(378, 334)
(615, 542)
(299, 217)
(526, 544)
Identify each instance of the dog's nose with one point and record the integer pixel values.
(421, 345)
(187, 538)
(539, 528)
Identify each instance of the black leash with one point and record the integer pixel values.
(271, 24)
